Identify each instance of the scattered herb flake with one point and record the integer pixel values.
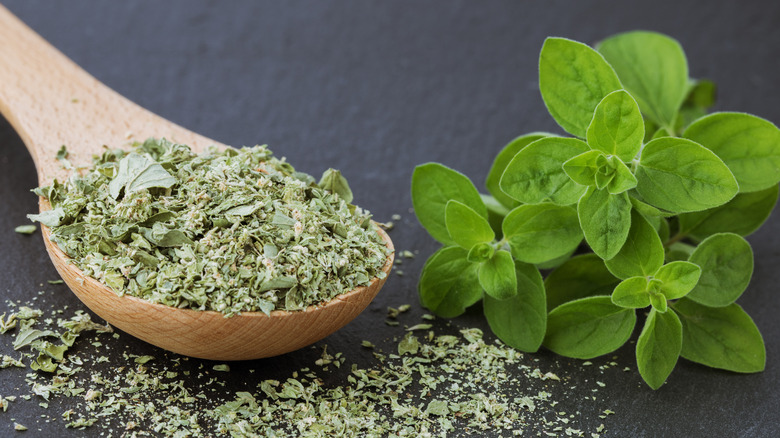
(25, 229)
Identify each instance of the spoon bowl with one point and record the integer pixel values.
(51, 102)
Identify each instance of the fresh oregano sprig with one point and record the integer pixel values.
(661, 193)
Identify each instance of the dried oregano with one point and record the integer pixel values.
(415, 386)
(229, 230)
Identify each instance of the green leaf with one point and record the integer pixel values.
(241, 210)
(678, 278)
(726, 262)
(617, 127)
(622, 180)
(679, 175)
(663, 229)
(743, 215)
(658, 301)
(497, 276)
(449, 283)
(138, 172)
(702, 93)
(579, 277)
(541, 232)
(466, 227)
(582, 169)
(520, 321)
(573, 79)
(333, 181)
(25, 229)
(653, 68)
(605, 220)
(27, 335)
(749, 145)
(554, 263)
(50, 218)
(643, 252)
(679, 251)
(701, 96)
(651, 129)
(588, 327)
(723, 337)
(606, 173)
(480, 252)
(536, 174)
(658, 347)
(165, 238)
(647, 210)
(502, 160)
(433, 185)
(632, 293)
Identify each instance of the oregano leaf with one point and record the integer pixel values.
(749, 145)
(579, 277)
(433, 185)
(743, 215)
(554, 263)
(520, 321)
(541, 232)
(465, 226)
(588, 327)
(632, 293)
(137, 172)
(721, 337)
(679, 175)
(653, 68)
(582, 169)
(536, 174)
(643, 252)
(658, 347)
(605, 220)
(497, 276)
(677, 278)
(502, 160)
(573, 79)
(617, 127)
(658, 301)
(701, 96)
(481, 252)
(726, 262)
(333, 181)
(449, 283)
(622, 180)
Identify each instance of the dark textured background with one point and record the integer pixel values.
(374, 88)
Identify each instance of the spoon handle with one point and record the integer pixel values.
(50, 101)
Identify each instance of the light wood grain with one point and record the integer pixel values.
(50, 102)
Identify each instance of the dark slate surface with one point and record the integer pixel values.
(374, 88)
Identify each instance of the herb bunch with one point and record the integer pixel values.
(231, 230)
(661, 192)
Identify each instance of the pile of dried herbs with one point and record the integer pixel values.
(430, 384)
(230, 230)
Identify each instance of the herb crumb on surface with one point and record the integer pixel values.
(422, 390)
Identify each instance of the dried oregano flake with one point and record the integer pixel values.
(452, 384)
(230, 230)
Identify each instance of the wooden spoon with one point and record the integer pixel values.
(51, 102)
